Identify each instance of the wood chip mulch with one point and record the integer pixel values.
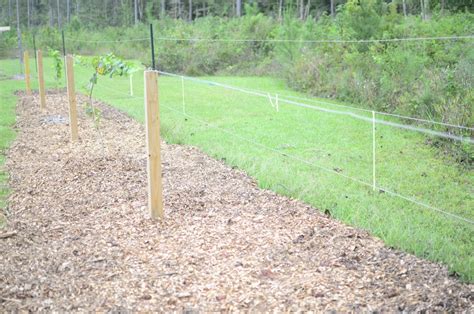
(79, 238)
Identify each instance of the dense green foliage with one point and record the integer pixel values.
(431, 79)
(57, 64)
(122, 13)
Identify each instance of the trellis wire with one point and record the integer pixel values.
(381, 113)
(106, 41)
(322, 41)
(257, 144)
(348, 113)
(372, 185)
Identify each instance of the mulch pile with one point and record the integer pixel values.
(79, 238)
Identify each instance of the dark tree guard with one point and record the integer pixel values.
(152, 48)
(34, 48)
(64, 45)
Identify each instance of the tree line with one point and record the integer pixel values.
(57, 13)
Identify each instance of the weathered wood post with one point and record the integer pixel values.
(26, 58)
(42, 91)
(152, 118)
(71, 93)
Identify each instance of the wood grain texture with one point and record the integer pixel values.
(71, 94)
(152, 119)
(26, 58)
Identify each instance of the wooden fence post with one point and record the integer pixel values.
(39, 56)
(26, 58)
(152, 118)
(71, 93)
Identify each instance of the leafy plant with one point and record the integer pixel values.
(57, 64)
(106, 65)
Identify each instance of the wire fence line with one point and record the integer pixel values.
(275, 40)
(381, 113)
(296, 158)
(346, 113)
(147, 39)
(372, 185)
(454, 37)
(321, 41)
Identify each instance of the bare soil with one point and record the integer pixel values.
(79, 238)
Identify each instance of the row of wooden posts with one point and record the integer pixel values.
(155, 197)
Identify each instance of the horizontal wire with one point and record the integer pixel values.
(344, 106)
(426, 205)
(321, 167)
(106, 41)
(338, 105)
(380, 112)
(266, 147)
(336, 41)
(119, 92)
(354, 115)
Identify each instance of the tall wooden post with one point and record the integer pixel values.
(42, 91)
(152, 118)
(26, 58)
(71, 94)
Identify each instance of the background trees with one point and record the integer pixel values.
(424, 78)
(129, 12)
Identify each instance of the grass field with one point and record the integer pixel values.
(248, 132)
(7, 119)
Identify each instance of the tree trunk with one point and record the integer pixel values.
(163, 9)
(68, 8)
(425, 9)
(301, 9)
(422, 9)
(404, 4)
(333, 9)
(106, 16)
(59, 15)
(190, 10)
(18, 31)
(136, 11)
(280, 10)
(51, 17)
(307, 9)
(9, 11)
(28, 12)
(238, 8)
(443, 4)
(140, 10)
(77, 7)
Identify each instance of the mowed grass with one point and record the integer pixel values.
(7, 119)
(322, 158)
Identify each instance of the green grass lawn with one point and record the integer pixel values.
(309, 155)
(7, 119)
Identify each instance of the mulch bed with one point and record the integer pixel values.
(79, 238)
